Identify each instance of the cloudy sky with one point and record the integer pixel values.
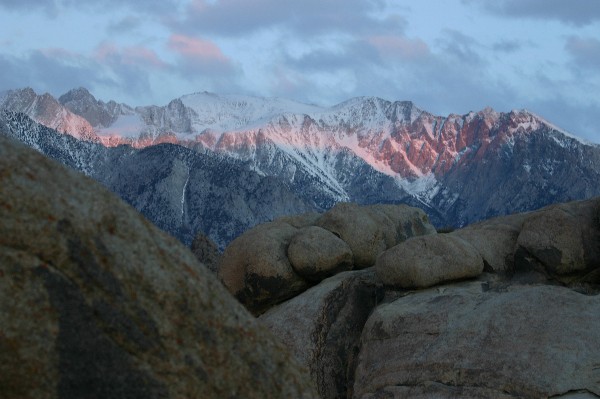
(448, 56)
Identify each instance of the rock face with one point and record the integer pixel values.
(276, 261)
(421, 262)
(99, 114)
(322, 327)
(97, 302)
(466, 341)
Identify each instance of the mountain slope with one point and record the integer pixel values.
(178, 189)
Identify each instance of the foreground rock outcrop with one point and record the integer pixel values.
(97, 302)
(278, 260)
(470, 340)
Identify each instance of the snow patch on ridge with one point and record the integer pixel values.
(233, 112)
(424, 188)
(126, 126)
(183, 194)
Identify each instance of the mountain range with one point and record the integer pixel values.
(223, 163)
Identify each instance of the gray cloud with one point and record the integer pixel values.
(576, 118)
(461, 47)
(48, 6)
(585, 52)
(126, 24)
(52, 7)
(309, 17)
(507, 46)
(575, 12)
(56, 72)
(451, 78)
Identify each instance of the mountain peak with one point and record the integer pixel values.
(78, 94)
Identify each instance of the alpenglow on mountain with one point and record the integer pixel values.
(459, 168)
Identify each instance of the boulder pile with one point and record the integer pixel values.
(378, 305)
(278, 260)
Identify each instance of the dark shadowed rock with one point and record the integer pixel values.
(421, 262)
(206, 251)
(316, 253)
(495, 240)
(256, 270)
(407, 221)
(301, 220)
(322, 327)
(464, 341)
(96, 302)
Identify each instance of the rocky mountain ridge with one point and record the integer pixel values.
(460, 168)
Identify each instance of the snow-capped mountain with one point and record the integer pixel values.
(459, 168)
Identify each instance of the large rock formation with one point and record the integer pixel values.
(525, 329)
(97, 302)
(276, 261)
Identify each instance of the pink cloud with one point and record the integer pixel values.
(133, 56)
(106, 51)
(399, 47)
(197, 49)
(143, 54)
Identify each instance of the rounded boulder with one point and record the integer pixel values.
(424, 261)
(358, 229)
(256, 270)
(316, 253)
